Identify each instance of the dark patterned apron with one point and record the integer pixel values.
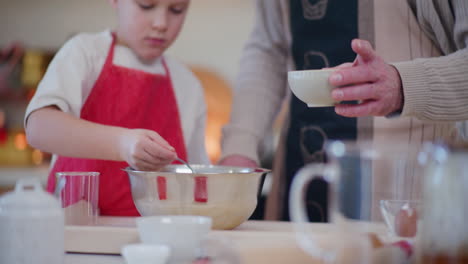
(322, 31)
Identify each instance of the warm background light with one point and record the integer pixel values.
(218, 98)
(20, 141)
(37, 157)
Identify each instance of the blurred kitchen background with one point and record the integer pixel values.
(210, 43)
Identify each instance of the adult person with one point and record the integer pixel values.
(427, 88)
(293, 34)
(316, 36)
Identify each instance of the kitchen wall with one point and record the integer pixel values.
(213, 35)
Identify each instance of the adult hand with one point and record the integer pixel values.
(145, 149)
(341, 66)
(370, 80)
(238, 161)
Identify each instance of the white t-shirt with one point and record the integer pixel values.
(76, 67)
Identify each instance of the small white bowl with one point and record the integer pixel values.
(312, 87)
(182, 233)
(145, 253)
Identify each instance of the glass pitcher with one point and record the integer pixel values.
(361, 176)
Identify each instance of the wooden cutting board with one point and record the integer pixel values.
(253, 241)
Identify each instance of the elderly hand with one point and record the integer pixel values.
(238, 161)
(370, 80)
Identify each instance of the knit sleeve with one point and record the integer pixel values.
(437, 88)
(261, 83)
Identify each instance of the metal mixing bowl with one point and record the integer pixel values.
(226, 194)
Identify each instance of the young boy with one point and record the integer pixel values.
(111, 99)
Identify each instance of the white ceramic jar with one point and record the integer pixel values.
(444, 229)
(31, 225)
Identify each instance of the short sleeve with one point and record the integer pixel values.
(68, 79)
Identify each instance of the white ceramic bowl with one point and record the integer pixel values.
(226, 194)
(145, 253)
(182, 233)
(312, 87)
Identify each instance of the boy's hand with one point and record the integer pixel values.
(145, 149)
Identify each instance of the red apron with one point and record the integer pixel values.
(126, 98)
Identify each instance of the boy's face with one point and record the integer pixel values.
(149, 27)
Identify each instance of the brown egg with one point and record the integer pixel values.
(375, 240)
(406, 222)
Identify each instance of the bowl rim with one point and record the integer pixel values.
(194, 220)
(232, 170)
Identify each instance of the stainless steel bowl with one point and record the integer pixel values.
(226, 194)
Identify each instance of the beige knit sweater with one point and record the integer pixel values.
(434, 89)
(437, 88)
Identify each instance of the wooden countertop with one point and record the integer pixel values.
(254, 241)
